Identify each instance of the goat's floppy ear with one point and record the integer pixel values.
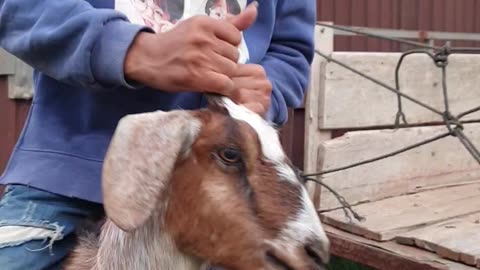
(139, 163)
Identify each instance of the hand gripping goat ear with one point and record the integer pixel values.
(139, 163)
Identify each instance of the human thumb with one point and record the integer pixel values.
(245, 19)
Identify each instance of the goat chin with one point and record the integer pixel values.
(148, 248)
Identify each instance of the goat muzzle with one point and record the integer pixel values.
(312, 256)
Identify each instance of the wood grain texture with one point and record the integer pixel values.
(313, 135)
(386, 255)
(352, 101)
(442, 163)
(389, 218)
(457, 239)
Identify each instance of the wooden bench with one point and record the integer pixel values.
(422, 207)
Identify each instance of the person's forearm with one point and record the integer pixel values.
(200, 55)
(68, 40)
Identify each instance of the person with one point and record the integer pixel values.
(155, 14)
(220, 8)
(92, 67)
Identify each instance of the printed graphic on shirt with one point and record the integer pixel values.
(163, 15)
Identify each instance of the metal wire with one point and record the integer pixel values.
(465, 50)
(367, 34)
(346, 207)
(441, 60)
(355, 30)
(461, 115)
(400, 113)
(468, 144)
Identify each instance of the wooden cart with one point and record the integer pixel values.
(422, 207)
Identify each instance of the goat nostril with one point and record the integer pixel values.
(318, 252)
(275, 259)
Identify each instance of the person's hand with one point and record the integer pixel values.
(252, 88)
(199, 54)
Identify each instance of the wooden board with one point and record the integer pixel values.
(20, 84)
(386, 255)
(352, 101)
(442, 163)
(457, 239)
(395, 216)
(20, 76)
(313, 135)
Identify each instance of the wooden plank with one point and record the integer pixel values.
(421, 237)
(469, 256)
(19, 76)
(442, 163)
(313, 135)
(456, 239)
(461, 246)
(386, 255)
(20, 85)
(389, 218)
(352, 101)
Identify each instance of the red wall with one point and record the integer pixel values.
(12, 118)
(433, 15)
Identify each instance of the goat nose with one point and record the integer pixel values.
(318, 251)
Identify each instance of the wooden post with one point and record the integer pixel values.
(19, 76)
(20, 84)
(7, 63)
(324, 38)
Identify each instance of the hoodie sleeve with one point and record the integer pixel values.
(69, 40)
(287, 62)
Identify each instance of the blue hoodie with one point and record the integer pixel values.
(77, 49)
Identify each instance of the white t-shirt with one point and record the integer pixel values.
(163, 15)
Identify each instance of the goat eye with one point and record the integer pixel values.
(230, 155)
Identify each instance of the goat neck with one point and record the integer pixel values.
(147, 248)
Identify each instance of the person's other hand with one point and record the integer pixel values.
(199, 54)
(252, 88)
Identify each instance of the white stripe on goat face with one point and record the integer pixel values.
(306, 225)
(268, 137)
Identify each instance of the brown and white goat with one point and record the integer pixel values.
(185, 189)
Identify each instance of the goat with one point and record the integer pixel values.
(186, 189)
